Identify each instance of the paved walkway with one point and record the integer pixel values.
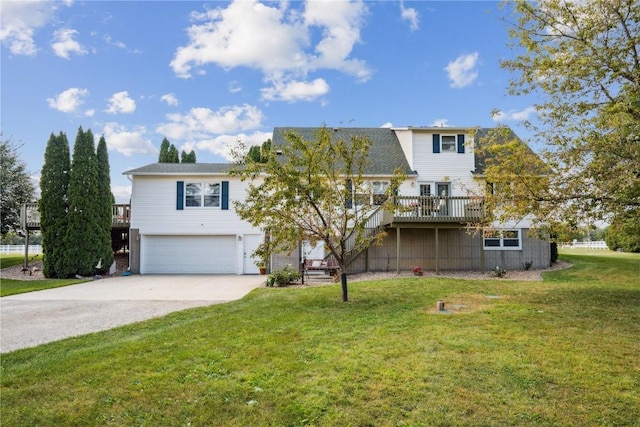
(34, 318)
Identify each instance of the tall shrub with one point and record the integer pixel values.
(105, 201)
(54, 182)
(83, 233)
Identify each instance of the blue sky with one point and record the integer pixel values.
(206, 73)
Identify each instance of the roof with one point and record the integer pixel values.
(385, 152)
(182, 169)
(499, 135)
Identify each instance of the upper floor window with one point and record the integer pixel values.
(448, 144)
(202, 194)
(502, 239)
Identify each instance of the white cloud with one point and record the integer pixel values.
(202, 123)
(222, 144)
(90, 113)
(214, 131)
(411, 15)
(64, 43)
(513, 115)
(462, 71)
(122, 193)
(120, 102)
(170, 99)
(442, 123)
(235, 87)
(388, 125)
(282, 50)
(19, 21)
(295, 91)
(127, 142)
(69, 100)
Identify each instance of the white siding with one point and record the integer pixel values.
(444, 167)
(153, 209)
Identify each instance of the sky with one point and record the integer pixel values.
(206, 74)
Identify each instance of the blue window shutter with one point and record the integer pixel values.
(225, 195)
(436, 142)
(461, 143)
(349, 201)
(180, 196)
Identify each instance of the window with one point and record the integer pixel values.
(448, 144)
(378, 189)
(202, 194)
(502, 239)
(371, 192)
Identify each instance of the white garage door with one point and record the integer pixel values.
(188, 255)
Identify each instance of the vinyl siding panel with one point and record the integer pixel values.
(445, 166)
(153, 209)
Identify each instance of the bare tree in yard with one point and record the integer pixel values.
(304, 191)
(583, 58)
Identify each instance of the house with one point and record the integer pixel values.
(183, 220)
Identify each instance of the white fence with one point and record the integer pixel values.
(19, 249)
(600, 244)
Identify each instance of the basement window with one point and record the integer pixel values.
(502, 240)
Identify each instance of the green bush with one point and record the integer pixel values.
(285, 275)
(624, 232)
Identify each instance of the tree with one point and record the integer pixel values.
(189, 157)
(624, 232)
(53, 204)
(163, 157)
(583, 59)
(173, 156)
(17, 187)
(306, 192)
(105, 201)
(83, 239)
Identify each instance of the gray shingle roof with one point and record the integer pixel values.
(181, 169)
(385, 151)
(483, 136)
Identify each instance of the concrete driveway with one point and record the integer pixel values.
(35, 318)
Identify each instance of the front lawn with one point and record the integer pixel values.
(563, 352)
(13, 286)
(9, 260)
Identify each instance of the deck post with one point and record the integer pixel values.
(398, 250)
(482, 251)
(437, 250)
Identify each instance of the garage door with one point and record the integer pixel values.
(188, 255)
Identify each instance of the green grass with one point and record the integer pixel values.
(9, 260)
(562, 352)
(13, 287)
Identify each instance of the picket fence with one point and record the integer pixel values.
(19, 249)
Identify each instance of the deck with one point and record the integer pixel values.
(30, 216)
(433, 209)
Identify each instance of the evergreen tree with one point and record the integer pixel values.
(105, 200)
(254, 154)
(188, 157)
(83, 237)
(164, 151)
(54, 182)
(173, 156)
(16, 186)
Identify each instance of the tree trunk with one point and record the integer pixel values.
(343, 280)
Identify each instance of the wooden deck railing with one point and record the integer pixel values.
(30, 216)
(438, 209)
